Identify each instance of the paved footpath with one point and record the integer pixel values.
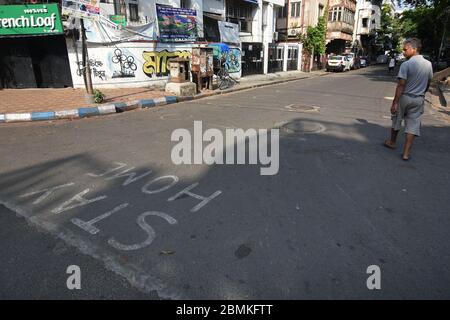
(19, 105)
(104, 194)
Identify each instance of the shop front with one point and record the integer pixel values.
(33, 48)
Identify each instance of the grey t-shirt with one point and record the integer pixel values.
(417, 71)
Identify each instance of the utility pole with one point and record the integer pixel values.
(85, 58)
(447, 10)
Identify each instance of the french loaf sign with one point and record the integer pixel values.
(30, 19)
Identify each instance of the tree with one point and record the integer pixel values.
(427, 21)
(314, 41)
(390, 30)
(315, 38)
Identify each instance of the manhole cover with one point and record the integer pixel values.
(302, 127)
(294, 107)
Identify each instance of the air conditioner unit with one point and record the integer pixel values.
(292, 32)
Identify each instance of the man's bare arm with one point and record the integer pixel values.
(398, 93)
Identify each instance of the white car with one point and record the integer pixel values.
(338, 63)
(355, 62)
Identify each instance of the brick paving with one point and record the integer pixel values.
(35, 100)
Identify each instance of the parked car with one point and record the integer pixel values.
(363, 61)
(338, 63)
(355, 62)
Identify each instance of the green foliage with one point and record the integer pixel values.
(418, 3)
(390, 32)
(424, 19)
(98, 96)
(427, 22)
(315, 38)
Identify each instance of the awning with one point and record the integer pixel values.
(252, 1)
(213, 16)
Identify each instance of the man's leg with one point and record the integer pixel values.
(412, 120)
(409, 139)
(391, 142)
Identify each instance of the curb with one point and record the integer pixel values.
(120, 107)
(87, 111)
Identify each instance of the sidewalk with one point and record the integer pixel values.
(51, 104)
(41, 100)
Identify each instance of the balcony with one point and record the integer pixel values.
(340, 26)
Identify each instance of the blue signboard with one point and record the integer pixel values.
(176, 24)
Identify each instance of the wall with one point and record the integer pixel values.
(257, 32)
(147, 11)
(312, 12)
(127, 64)
(214, 6)
(135, 64)
(364, 10)
(148, 7)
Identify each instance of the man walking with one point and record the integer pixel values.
(391, 64)
(413, 81)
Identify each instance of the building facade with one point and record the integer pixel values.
(367, 22)
(33, 54)
(254, 52)
(341, 21)
(125, 46)
(292, 21)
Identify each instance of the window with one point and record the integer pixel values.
(134, 12)
(185, 4)
(320, 10)
(282, 12)
(245, 26)
(336, 14)
(240, 13)
(364, 22)
(295, 9)
(280, 53)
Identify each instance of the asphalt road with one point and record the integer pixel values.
(340, 202)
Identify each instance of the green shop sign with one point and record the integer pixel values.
(30, 19)
(119, 19)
